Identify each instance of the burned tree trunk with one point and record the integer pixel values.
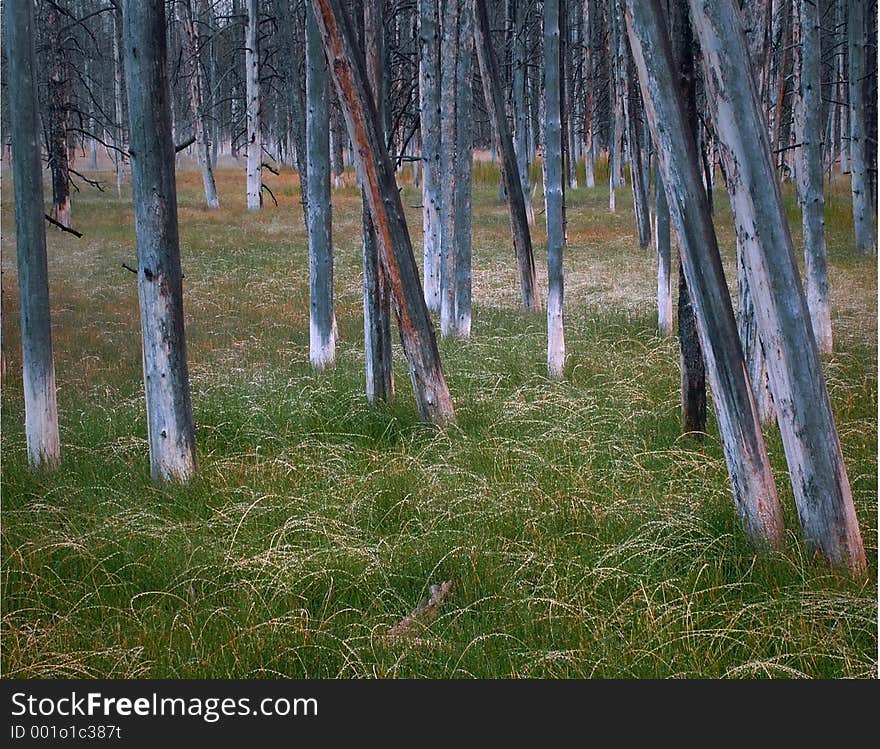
(429, 93)
(553, 194)
(386, 211)
(118, 127)
(806, 423)
(494, 96)
(60, 89)
(589, 147)
(377, 301)
(319, 218)
(38, 364)
(170, 428)
(753, 488)
(253, 108)
(693, 368)
(520, 110)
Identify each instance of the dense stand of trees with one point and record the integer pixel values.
(669, 96)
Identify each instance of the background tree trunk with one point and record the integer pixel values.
(494, 96)
(448, 126)
(253, 111)
(520, 109)
(322, 321)
(464, 158)
(810, 175)
(59, 116)
(38, 363)
(170, 428)
(429, 93)
(863, 210)
(553, 195)
(377, 302)
(664, 257)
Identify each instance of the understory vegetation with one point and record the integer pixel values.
(582, 534)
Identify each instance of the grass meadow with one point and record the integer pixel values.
(583, 536)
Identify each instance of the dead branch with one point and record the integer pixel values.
(425, 612)
(61, 226)
(186, 144)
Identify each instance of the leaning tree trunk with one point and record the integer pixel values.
(553, 195)
(863, 211)
(376, 174)
(322, 322)
(170, 428)
(811, 174)
(449, 19)
(38, 364)
(253, 111)
(464, 159)
(806, 422)
(429, 100)
(754, 490)
(197, 102)
(377, 301)
(59, 93)
(494, 96)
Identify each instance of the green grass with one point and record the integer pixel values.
(582, 535)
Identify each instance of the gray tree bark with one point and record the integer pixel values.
(857, 43)
(811, 174)
(197, 101)
(553, 195)
(322, 321)
(253, 111)
(38, 364)
(806, 423)
(494, 96)
(118, 129)
(376, 174)
(464, 157)
(429, 101)
(753, 488)
(520, 108)
(589, 148)
(170, 429)
(663, 246)
(448, 126)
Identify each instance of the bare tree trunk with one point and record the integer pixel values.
(753, 351)
(170, 428)
(464, 157)
(553, 195)
(38, 364)
(615, 153)
(386, 211)
(806, 423)
(118, 130)
(520, 109)
(589, 148)
(754, 490)
(429, 93)
(197, 101)
(322, 321)
(693, 367)
(377, 301)
(863, 211)
(664, 257)
(637, 164)
(810, 182)
(448, 126)
(60, 86)
(494, 96)
(253, 111)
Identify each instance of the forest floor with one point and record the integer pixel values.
(582, 535)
